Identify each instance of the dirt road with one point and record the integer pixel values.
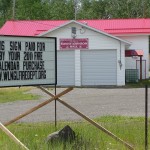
(93, 102)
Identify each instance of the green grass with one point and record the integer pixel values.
(139, 84)
(88, 137)
(16, 94)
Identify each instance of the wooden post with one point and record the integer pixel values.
(90, 120)
(55, 110)
(12, 136)
(146, 117)
(140, 67)
(38, 106)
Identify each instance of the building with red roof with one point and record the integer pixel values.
(81, 42)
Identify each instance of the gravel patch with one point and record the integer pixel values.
(93, 102)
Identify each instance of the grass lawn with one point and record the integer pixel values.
(16, 94)
(138, 84)
(88, 137)
(130, 129)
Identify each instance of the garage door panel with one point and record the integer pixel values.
(65, 68)
(99, 67)
(108, 69)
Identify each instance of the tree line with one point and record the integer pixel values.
(65, 9)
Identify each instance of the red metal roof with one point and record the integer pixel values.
(130, 53)
(121, 26)
(111, 26)
(29, 27)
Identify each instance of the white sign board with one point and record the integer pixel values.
(27, 61)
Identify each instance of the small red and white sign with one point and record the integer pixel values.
(67, 44)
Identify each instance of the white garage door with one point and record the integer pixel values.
(65, 68)
(99, 67)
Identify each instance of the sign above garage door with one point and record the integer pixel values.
(27, 61)
(70, 44)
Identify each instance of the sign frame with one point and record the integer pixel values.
(52, 40)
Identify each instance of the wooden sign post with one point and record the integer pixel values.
(90, 120)
(38, 106)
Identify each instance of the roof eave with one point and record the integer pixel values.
(130, 34)
(46, 32)
(86, 26)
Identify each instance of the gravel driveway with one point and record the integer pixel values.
(93, 102)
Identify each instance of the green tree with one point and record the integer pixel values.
(45, 9)
(62, 9)
(31, 9)
(128, 8)
(65, 9)
(5, 10)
